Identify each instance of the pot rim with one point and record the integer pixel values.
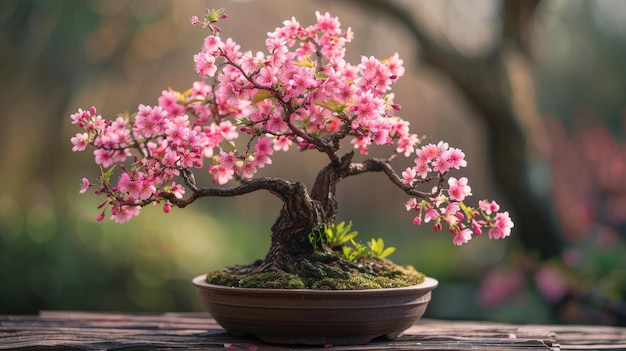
(429, 283)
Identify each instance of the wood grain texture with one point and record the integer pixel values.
(197, 331)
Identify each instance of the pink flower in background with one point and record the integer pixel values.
(499, 285)
(551, 283)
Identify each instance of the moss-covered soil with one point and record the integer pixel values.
(323, 272)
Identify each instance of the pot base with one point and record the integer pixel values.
(315, 317)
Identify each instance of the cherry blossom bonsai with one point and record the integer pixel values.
(300, 94)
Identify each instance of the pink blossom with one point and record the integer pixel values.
(263, 147)
(230, 49)
(408, 176)
(488, 207)
(374, 75)
(80, 141)
(441, 165)
(431, 213)
(361, 143)
(411, 204)
(123, 213)
(502, 226)
(248, 169)
(228, 160)
(104, 157)
(455, 158)
(406, 144)
(426, 153)
(459, 188)
(169, 102)
(167, 207)
(129, 186)
(368, 107)
(327, 24)
(282, 143)
(395, 65)
(81, 117)
(276, 124)
(421, 168)
(260, 160)
(150, 121)
(84, 185)
(462, 236)
(223, 175)
(177, 190)
(452, 209)
(193, 20)
(477, 226)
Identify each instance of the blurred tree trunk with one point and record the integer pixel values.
(499, 86)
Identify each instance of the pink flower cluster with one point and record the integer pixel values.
(462, 220)
(301, 91)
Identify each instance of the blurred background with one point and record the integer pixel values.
(533, 91)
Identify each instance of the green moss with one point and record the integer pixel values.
(272, 280)
(367, 273)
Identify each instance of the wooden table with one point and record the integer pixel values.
(197, 331)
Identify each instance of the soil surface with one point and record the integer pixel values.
(323, 271)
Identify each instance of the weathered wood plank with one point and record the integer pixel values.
(195, 331)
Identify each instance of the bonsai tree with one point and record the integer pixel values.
(301, 94)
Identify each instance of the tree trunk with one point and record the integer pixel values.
(302, 215)
(299, 217)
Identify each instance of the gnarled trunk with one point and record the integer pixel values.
(303, 214)
(299, 217)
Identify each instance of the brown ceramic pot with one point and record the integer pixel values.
(315, 317)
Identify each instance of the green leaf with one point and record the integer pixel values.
(339, 234)
(388, 251)
(261, 95)
(378, 248)
(305, 63)
(214, 15)
(332, 105)
(106, 176)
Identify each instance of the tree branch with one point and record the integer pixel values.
(279, 187)
(382, 165)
